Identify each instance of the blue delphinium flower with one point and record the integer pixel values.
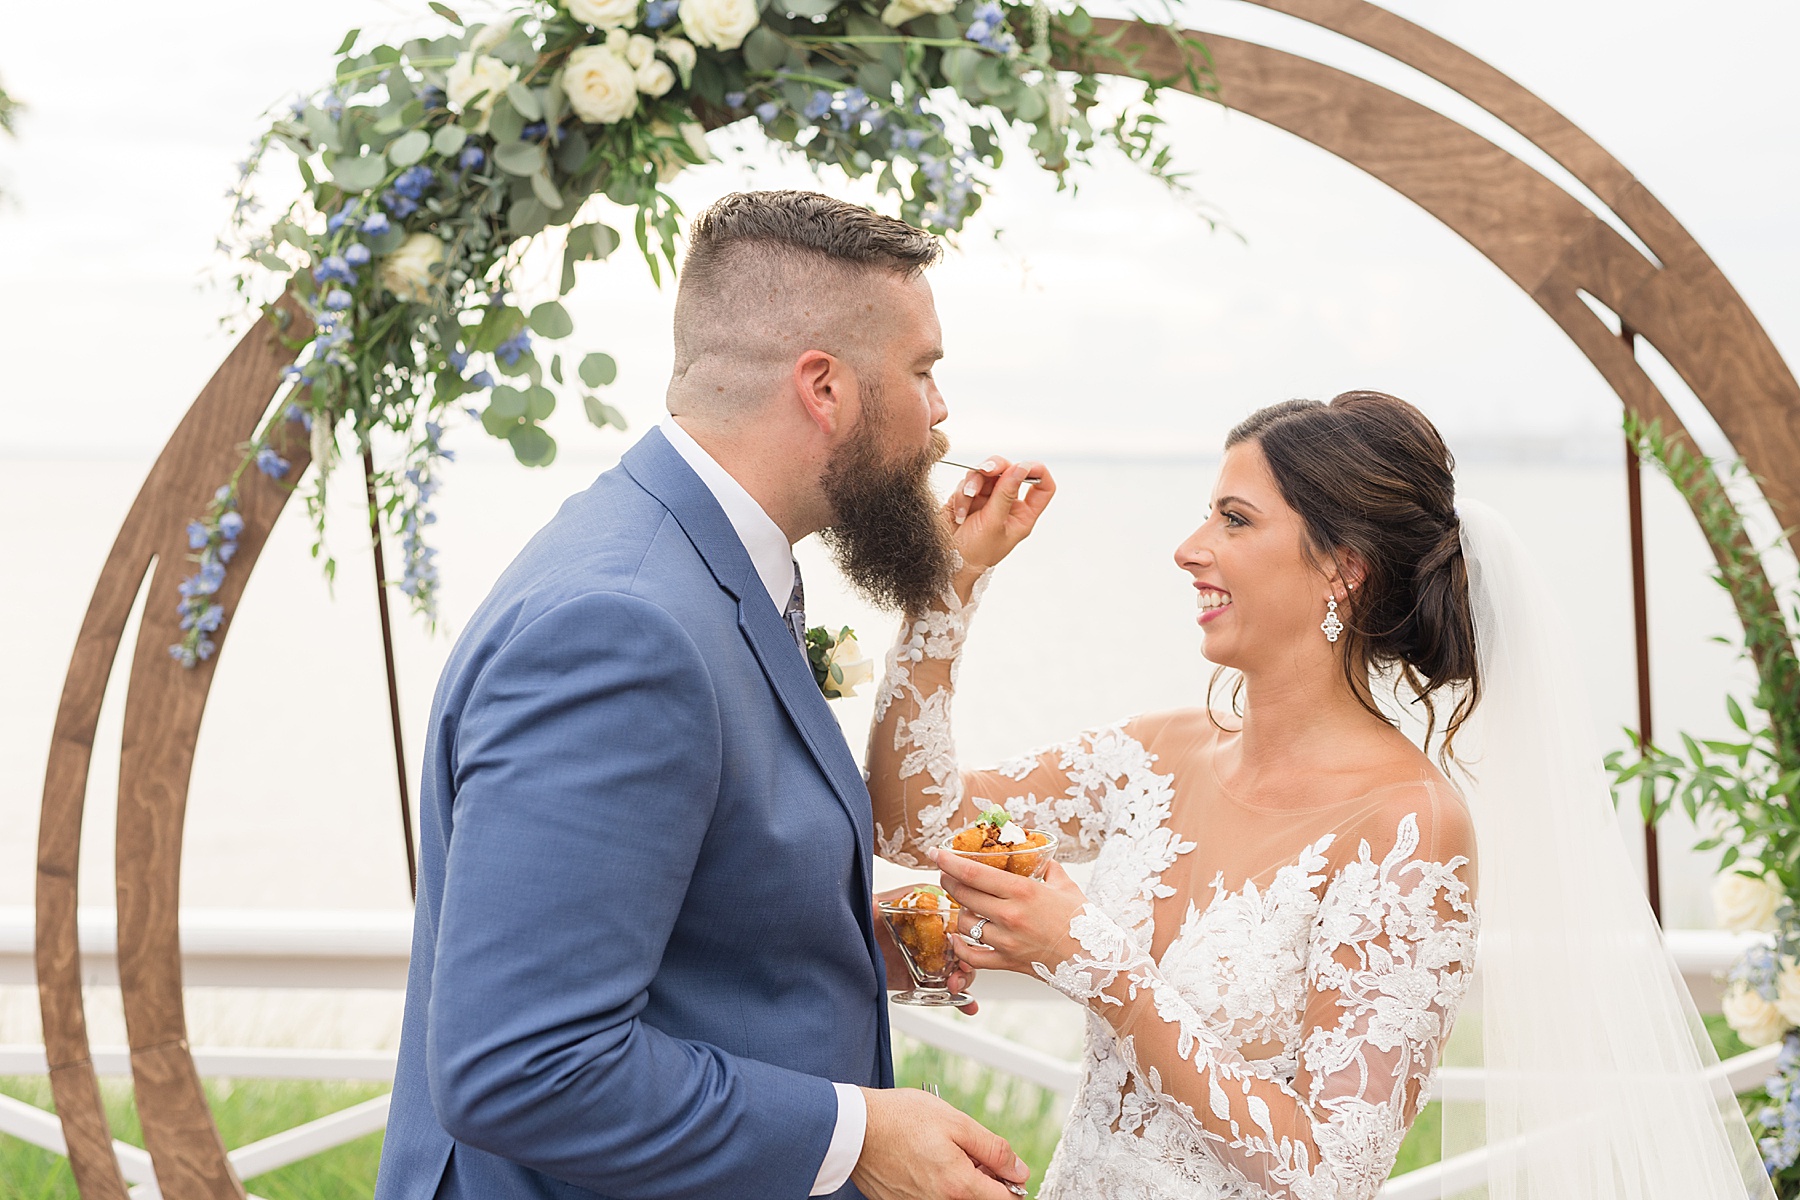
(432, 96)
(458, 360)
(357, 254)
(471, 158)
(271, 463)
(659, 13)
(334, 267)
(767, 111)
(988, 30)
(231, 525)
(856, 102)
(735, 99)
(513, 347)
(401, 206)
(535, 131)
(294, 412)
(481, 380)
(337, 300)
(336, 220)
(198, 535)
(817, 105)
(376, 224)
(413, 181)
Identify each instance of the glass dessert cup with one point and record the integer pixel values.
(1030, 858)
(922, 924)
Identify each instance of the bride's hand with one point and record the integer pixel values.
(1027, 920)
(990, 515)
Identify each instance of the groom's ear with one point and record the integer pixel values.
(827, 390)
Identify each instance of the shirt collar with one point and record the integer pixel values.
(770, 551)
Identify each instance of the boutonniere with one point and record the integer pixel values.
(838, 662)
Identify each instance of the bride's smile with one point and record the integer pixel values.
(1213, 601)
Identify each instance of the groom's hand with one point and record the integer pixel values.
(919, 1148)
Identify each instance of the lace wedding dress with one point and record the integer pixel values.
(1267, 988)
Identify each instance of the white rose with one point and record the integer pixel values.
(1787, 991)
(617, 40)
(638, 50)
(681, 52)
(407, 271)
(472, 75)
(1745, 904)
(655, 77)
(899, 12)
(848, 657)
(600, 85)
(1754, 1019)
(604, 14)
(721, 24)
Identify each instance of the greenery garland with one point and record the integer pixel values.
(431, 165)
(1747, 788)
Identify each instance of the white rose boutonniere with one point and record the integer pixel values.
(1747, 903)
(1754, 1019)
(604, 14)
(476, 75)
(838, 663)
(600, 84)
(407, 271)
(721, 24)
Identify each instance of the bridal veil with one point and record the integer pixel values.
(1600, 1083)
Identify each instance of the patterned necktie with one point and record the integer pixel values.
(795, 613)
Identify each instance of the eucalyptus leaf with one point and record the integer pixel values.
(517, 50)
(526, 217)
(556, 367)
(602, 414)
(1078, 22)
(808, 8)
(449, 139)
(573, 151)
(386, 56)
(523, 100)
(545, 190)
(349, 41)
(1029, 104)
(446, 12)
(359, 174)
(992, 77)
(764, 50)
(323, 128)
(392, 123)
(598, 370)
(505, 124)
(551, 320)
(409, 147)
(508, 403)
(532, 446)
(540, 402)
(520, 158)
(274, 262)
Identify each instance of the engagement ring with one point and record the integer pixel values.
(975, 930)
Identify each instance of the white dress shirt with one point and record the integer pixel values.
(773, 557)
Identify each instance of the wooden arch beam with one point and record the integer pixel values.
(1546, 241)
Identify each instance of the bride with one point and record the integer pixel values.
(1282, 917)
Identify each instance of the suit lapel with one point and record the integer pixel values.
(656, 466)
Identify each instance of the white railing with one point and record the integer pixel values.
(278, 949)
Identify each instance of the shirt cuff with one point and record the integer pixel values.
(846, 1140)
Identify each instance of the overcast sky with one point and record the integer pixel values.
(1111, 321)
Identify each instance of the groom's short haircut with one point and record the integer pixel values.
(769, 275)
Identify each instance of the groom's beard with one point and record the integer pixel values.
(890, 538)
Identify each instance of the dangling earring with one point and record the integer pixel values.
(1332, 625)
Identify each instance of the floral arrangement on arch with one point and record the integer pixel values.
(429, 166)
(1746, 790)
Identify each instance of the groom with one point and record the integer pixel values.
(644, 961)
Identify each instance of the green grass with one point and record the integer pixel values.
(246, 1110)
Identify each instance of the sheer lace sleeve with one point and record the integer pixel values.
(920, 791)
(1389, 956)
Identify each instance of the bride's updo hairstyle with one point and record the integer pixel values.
(1369, 474)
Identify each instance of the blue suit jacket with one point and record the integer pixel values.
(643, 945)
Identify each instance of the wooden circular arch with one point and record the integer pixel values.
(1544, 239)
